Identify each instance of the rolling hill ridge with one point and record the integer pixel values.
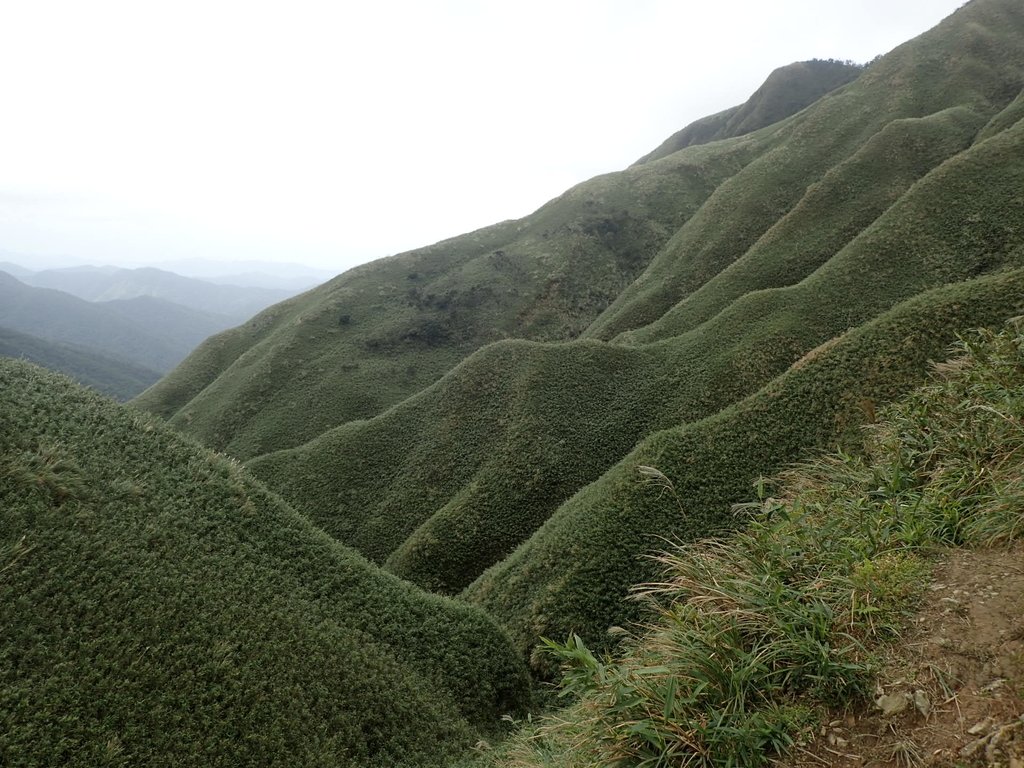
(786, 91)
(384, 331)
(158, 606)
(851, 222)
(432, 461)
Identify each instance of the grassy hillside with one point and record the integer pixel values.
(146, 332)
(517, 416)
(780, 201)
(571, 575)
(846, 201)
(754, 640)
(108, 375)
(972, 63)
(158, 606)
(381, 332)
(741, 304)
(786, 91)
(449, 482)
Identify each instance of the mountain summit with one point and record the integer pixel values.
(786, 91)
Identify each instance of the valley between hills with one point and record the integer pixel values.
(371, 524)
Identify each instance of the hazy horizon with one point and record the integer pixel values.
(190, 267)
(328, 137)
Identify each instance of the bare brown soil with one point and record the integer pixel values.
(954, 687)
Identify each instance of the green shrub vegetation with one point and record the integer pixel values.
(751, 638)
(516, 417)
(471, 414)
(571, 575)
(158, 606)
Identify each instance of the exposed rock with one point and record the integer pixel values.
(981, 727)
(893, 703)
(923, 702)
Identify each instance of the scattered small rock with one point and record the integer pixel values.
(892, 704)
(981, 727)
(922, 702)
(836, 740)
(995, 685)
(974, 747)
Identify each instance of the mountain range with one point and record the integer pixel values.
(439, 458)
(146, 319)
(465, 412)
(237, 302)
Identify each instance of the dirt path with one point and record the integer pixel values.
(954, 689)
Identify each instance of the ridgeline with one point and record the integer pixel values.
(651, 312)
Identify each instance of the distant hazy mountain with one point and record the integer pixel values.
(14, 269)
(149, 332)
(295, 283)
(33, 262)
(86, 365)
(91, 283)
(259, 274)
(165, 318)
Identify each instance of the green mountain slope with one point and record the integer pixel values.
(786, 91)
(449, 482)
(750, 642)
(383, 331)
(973, 63)
(834, 210)
(574, 572)
(499, 443)
(380, 333)
(887, 215)
(158, 606)
(108, 375)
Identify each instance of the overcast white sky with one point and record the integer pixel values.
(332, 133)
